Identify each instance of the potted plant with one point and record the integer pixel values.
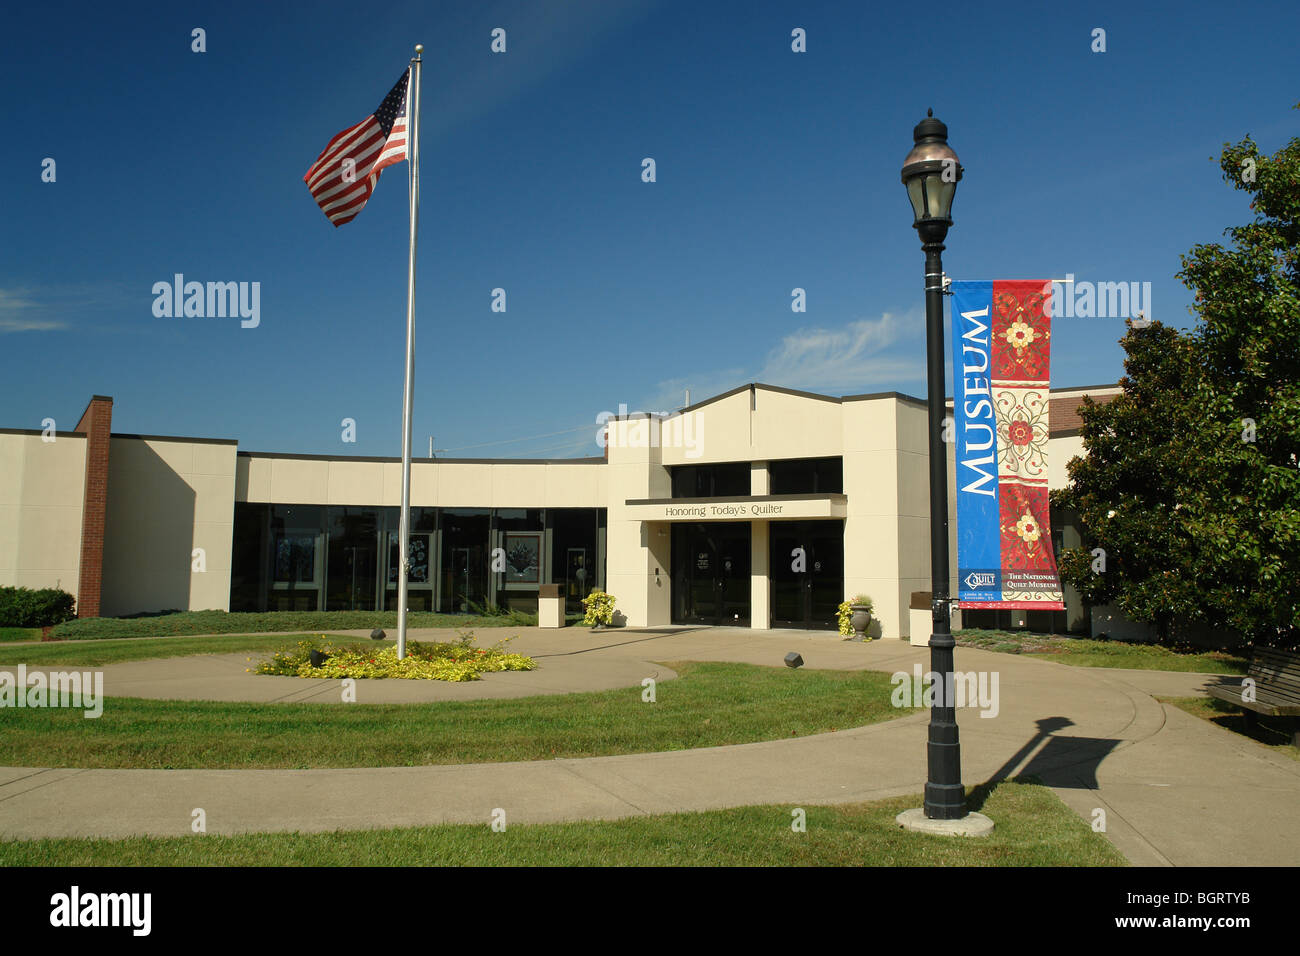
(599, 607)
(855, 617)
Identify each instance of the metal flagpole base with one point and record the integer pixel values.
(971, 825)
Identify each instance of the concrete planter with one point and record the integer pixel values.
(860, 621)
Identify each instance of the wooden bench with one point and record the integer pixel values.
(1277, 688)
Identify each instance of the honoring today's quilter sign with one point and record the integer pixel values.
(1001, 333)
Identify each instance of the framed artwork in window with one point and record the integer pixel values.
(523, 557)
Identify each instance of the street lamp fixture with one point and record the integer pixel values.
(930, 173)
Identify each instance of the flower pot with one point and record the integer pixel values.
(860, 621)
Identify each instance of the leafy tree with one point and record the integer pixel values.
(1191, 480)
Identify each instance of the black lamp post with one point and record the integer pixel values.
(930, 173)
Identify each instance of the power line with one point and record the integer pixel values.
(508, 441)
(542, 451)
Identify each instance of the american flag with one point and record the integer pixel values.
(345, 173)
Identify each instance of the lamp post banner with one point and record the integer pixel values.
(1001, 334)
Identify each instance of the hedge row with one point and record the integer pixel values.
(24, 607)
(223, 622)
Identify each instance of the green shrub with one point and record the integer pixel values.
(599, 606)
(24, 607)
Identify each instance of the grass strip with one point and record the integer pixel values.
(1033, 828)
(99, 653)
(240, 622)
(711, 704)
(1086, 652)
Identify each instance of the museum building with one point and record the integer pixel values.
(760, 507)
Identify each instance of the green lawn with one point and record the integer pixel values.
(1085, 652)
(222, 622)
(98, 653)
(1033, 829)
(1273, 732)
(709, 705)
(20, 634)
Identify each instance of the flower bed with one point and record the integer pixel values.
(455, 661)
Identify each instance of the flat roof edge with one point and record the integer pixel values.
(196, 441)
(425, 461)
(874, 396)
(39, 431)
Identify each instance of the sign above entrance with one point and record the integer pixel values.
(755, 508)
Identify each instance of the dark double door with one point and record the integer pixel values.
(807, 573)
(711, 573)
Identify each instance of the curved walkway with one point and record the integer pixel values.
(1175, 789)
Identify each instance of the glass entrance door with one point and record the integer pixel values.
(711, 573)
(576, 583)
(353, 556)
(807, 562)
(462, 588)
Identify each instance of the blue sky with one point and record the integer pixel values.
(775, 170)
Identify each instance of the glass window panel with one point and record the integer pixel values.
(247, 560)
(727, 480)
(806, 476)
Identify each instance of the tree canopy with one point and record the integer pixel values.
(1190, 484)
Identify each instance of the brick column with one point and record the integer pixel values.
(96, 422)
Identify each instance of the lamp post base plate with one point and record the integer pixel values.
(971, 825)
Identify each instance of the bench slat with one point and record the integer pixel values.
(1276, 674)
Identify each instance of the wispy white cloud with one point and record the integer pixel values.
(13, 300)
(8, 324)
(861, 356)
(855, 356)
(50, 308)
(20, 312)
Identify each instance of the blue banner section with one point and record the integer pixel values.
(979, 552)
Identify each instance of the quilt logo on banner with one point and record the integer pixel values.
(1001, 334)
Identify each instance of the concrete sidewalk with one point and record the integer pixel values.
(1175, 789)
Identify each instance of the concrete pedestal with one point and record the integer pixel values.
(550, 606)
(971, 825)
(919, 622)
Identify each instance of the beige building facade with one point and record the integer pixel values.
(761, 507)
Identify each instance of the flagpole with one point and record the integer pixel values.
(408, 388)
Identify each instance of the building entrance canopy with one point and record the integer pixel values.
(747, 508)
